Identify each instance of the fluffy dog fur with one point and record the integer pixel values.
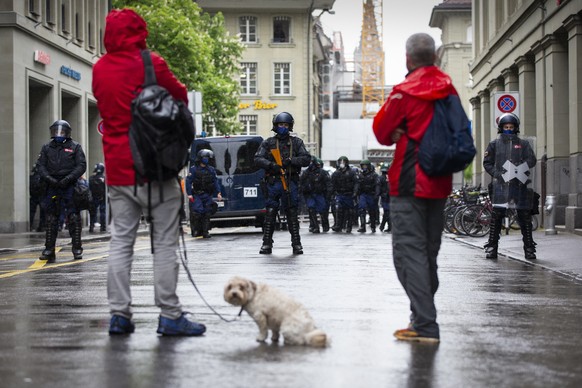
(275, 311)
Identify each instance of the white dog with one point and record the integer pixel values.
(271, 309)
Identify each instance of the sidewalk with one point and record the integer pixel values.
(560, 253)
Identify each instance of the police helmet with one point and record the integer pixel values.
(283, 117)
(508, 118)
(205, 153)
(61, 128)
(384, 167)
(344, 159)
(99, 168)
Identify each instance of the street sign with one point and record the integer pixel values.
(100, 127)
(505, 102)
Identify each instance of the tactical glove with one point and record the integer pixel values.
(51, 181)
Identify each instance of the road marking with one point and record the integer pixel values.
(39, 265)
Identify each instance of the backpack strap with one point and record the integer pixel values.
(150, 74)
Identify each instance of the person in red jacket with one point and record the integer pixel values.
(117, 79)
(416, 200)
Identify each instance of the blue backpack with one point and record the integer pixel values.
(447, 146)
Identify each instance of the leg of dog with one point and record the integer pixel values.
(274, 336)
(261, 321)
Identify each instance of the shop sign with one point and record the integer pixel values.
(257, 105)
(70, 73)
(42, 57)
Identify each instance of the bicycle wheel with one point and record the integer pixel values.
(457, 229)
(476, 220)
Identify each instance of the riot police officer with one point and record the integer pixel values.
(316, 188)
(369, 192)
(201, 184)
(508, 160)
(61, 162)
(281, 180)
(385, 198)
(344, 181)
(97, 187)
(36, 190)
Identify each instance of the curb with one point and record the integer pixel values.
(568, 275)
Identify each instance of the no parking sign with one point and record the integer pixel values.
(505, 102)
(100, 127)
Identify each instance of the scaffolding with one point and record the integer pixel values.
(372, 58)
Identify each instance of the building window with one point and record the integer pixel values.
(249, 123)
(34, 7)
(248, 29)
(64, 22)
(248, 78)
(48, 12)
(282, 79)
(281, 29)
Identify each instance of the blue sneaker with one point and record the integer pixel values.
(180, 327)
(120, 325)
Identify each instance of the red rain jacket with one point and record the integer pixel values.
(117, 78)
(410, 106)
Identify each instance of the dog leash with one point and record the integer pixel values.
(184, 259)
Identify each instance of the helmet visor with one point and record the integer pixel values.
(60, 131)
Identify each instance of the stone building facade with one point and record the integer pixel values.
(48, 50)
(534, 47)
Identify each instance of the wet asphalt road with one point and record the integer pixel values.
(503, 323)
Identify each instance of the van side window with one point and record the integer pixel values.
(245, 158)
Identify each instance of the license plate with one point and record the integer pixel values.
(250, 192)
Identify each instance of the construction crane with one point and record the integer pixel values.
(372, 58)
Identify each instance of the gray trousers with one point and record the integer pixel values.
(417, 226)
(126, 211)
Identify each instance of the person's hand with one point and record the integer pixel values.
(190, 198)
(286, 163)
(52, 181)
(219, 197)
(397, 134)
(275, 168)
(65, 182)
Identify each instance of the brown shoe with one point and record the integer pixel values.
(410, 334)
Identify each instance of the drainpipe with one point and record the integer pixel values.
(309, 28)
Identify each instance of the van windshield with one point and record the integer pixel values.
(232, 156)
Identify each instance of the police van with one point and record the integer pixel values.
(240, 180)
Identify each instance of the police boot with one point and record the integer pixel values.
(195, 224)
(339, 219)
(293, 222)
(91, 227)
(268, 228)
(362, 228)
(325, 222)
(373, 222)
(75, 228)
(384, 221)
(52, 230)
(313, 221)
(349, 214)
(205, 223)
(494, 231)
(529, 246)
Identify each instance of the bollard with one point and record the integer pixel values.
(550, 210)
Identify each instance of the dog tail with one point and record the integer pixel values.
(316, 338)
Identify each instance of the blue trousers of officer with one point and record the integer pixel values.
(277, 197)
(98, 207)
(202, 203)
(367, 202)
(317, 202)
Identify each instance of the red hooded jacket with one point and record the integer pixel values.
(410, 106)
(117, 79)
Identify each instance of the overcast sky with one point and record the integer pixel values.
(401, 19)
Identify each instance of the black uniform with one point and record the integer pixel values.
(315, 184)
(97, 187)
(345, 186)
(36, 190)
(61, 164)
(513, 192)
(294, 156)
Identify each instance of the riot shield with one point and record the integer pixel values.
(515, 162)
